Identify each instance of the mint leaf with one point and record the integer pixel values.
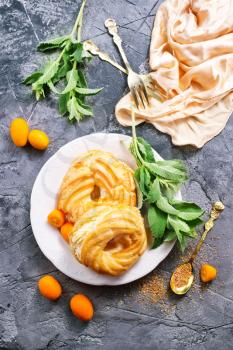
(182, 229)
(178, 224)
(88, 92)
(50, 70)
(143, 177)
(78, 52)
(187, 210)
(139, 195)
(163, 204)
(82, 78)
(145, 150)
(154, 192)
(62, 103)
(192, 233)
(84, 110)
(170, 236)
(73, 110)
(194, 223)
(72, 78)
(157, 222)
(56, 43)
(87, 56)
(52, 87)
(176, 163)
(62, 72)
(182, 240)
(166, 171)
(32, 78)
(39, 92)
(169, 188)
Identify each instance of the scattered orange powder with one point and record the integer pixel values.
(152, 288)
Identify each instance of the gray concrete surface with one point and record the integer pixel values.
(201, 320)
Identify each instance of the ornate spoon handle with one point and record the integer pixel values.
(217, 208)
(111, 25)
(94, 50)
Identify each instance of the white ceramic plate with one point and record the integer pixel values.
(43, 201)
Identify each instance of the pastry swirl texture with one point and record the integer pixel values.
(109, 238)
(96, 176)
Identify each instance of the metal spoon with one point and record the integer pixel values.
(94, 50)
(217, 208)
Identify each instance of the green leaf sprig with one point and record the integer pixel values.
(159, 181)
(68, 70)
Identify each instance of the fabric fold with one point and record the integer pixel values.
(191, 59)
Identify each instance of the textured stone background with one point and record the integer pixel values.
(123, 319)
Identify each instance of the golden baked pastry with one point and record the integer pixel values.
(109, 238)
(96, 176)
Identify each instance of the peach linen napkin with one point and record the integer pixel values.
(191, 58)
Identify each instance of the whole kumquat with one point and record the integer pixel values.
(49, 287)
(19, 131)
(38, 139)
(56, 218)
(82, 307)
(66, 230)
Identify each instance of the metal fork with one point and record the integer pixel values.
(140, 85)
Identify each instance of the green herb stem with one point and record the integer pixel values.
(61, 54)
(133, 124)
(78, 23)
(134, 134)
